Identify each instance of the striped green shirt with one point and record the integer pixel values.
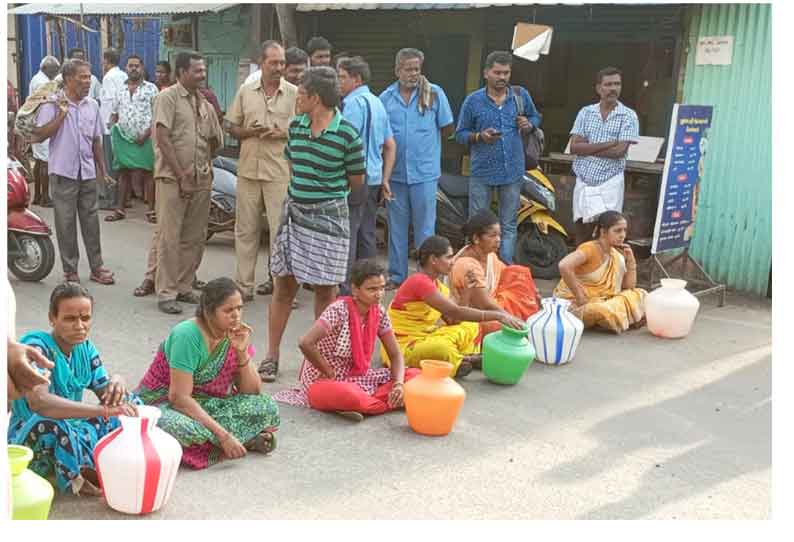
(320, 166)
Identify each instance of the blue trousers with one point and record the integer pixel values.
(413, 204)
(509, 201)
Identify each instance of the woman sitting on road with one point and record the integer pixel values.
(600, 277)
(336, 374)
(52, 419)
(204, 382)
(429, 325)
(479, 279)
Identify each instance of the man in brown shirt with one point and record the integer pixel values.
(187, 136)
(259, 117)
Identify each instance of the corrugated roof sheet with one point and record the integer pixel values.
(117, 9)
(373, 6)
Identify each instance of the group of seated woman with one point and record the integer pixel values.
(202, 379)
(209, 392)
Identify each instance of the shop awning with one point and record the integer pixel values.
(374, 6)
(117, 9)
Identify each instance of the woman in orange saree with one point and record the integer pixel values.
(479, 279)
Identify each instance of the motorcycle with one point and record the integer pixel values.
(223, 198)
(31, 253)
(540, 240)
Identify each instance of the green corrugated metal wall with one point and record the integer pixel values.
(733, 234)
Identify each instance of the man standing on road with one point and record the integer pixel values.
(601, 136)
(133, 155)
(73, 124)
(368, 116)
(259, 117)
(112, 83)
(319, 50)
(187, 136)
(420, 116)
(492, 122)
(48, 70)
(313, 237)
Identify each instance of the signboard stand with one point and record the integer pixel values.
(709, 286)
(678, 199)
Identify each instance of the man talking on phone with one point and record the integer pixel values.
(600, 139)
(492, 122)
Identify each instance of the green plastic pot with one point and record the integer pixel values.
(31, 494)
(506, 354)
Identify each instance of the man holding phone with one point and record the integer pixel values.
(601, 136)
(259, 117)
(492, 122)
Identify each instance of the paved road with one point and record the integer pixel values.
(635, 427)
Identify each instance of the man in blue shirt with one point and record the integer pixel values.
(420, 116)
(492, 122)
(366, 113)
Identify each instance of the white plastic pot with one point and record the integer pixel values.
(671, 310)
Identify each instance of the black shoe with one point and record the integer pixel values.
(189, 297)
(169, 307)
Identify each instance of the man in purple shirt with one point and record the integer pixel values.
(72, 122)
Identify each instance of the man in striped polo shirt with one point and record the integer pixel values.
(312, 243)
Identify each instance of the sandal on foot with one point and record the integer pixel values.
(198, 284)
(268, 370)
(264, 443)
(102, 276)
(146, 288)
(116, 215)
(170, 307)
(266, 288)
(71, 277)
(188, 297)
(351, 415)
(151, 217)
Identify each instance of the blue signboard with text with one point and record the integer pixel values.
(683, 169)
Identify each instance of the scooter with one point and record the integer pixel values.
(31, 253)
(223, 198)
(540, 240)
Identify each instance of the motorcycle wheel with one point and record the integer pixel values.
(37, 260)
(541, 253)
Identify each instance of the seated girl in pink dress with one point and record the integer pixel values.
(336, 375)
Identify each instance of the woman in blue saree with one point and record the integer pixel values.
(52, 419)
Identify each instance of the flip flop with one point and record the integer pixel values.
(264, 443)
(464, 369)
(102, 276)
(268, 370)
(116, 216)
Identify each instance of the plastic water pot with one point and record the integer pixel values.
(506, 355)
(670, 310)
(432, 399)
(31, 494)
(555, 332)
(137, 463)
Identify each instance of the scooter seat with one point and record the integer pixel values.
(454, 186)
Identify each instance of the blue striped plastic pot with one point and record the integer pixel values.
(554, 332)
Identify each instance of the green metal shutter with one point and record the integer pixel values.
(733, 232)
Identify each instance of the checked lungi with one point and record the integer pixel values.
(312, 242)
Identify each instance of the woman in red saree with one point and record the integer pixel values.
(336, 375)
(479, 279)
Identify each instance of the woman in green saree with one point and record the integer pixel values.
(204, 382)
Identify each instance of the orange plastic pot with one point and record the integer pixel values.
(433, 400)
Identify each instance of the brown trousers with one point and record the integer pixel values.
(254, 197)
(182, 227)
(42, 180)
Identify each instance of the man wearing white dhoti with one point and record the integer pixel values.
(601, 136)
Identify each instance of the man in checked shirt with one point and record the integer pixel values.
(601, 136)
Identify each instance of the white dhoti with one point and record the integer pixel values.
(591, 201)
